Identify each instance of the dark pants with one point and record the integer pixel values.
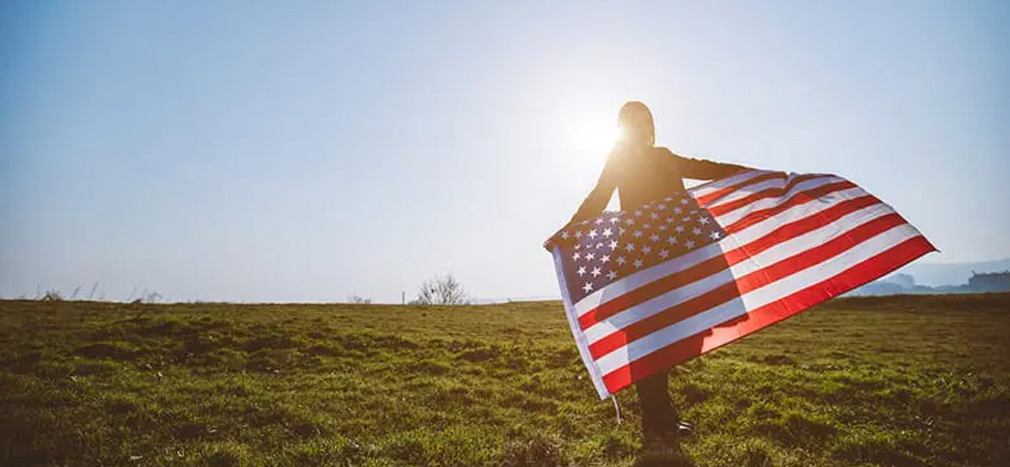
(659, 417)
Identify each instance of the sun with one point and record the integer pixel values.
(593, 134)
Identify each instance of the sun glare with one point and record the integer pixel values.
(593, 135)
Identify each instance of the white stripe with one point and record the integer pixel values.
(776, 183)
(755, 299)
(779, 252)
(743, 237)
(729, 217)
(716, 185)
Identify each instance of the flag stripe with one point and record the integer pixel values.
(795, 200)
(770, 189)
(705, 199)
(745, 284)
(766, 315)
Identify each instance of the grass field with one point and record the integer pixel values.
(901, 381)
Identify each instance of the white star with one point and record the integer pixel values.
(715, 235)
(689, 244)
(661, 206)
(578, 234)
(696, 231)
(678, 210)
(654, 237)
(646, 226)
(664, 253)
(613, 244)
(576, 256)
(679, 228)
(662, 227)
(668, 199)
(654, 216)
(611, 275)
(686, 219)
(638, 212)
(613, 220)
(605, 258)
(596, 272)
(581, 271)
(638, 233)
(621, 231)
(703, 220)
(588, 286)
(590, 256)
(621, 260)
(646, 249)
(598, 221)
(629, 221)
(564, 235)
(599, 245)
(683, 201)
(638, 263)
(607, 232)
(630, 247)
(592, 234)
(671, 240)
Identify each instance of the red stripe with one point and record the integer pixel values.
(766, 193)
(797, 199)
(680, 351)
(732, 257)
(745, 284)
(707, 199)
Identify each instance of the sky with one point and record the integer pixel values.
(308, 151)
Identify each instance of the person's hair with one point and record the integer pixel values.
(635, 120)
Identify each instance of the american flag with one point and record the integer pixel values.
(650, 288)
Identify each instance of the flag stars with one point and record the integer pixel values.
(638, 233)
(646, 249)
(611, 275)
(564, 235)
(598, 221)
(596, 272)
(679, 229)
(607, 232)
(576, 256)
(703, 220)
(590, 256)
(671, 240)
(696, 231)
(630, 247)
(578, 234)
(588, 287)
(621, 260)
(664, 254)
(678, 210)
(638, 212)
(654, 216)
(613, 244)
(581, 271)
(689, 244)
(715, 235)
(592, 234)
(637, 263)
(605, 259)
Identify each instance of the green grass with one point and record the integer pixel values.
(871, 381)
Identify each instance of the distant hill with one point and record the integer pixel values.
(937, 274)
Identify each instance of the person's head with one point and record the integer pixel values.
(635, 121)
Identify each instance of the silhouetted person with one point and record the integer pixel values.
(642, 173)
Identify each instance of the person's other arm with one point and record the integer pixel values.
(597, 201)
(701, 169)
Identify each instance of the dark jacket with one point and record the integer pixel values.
(643, 175)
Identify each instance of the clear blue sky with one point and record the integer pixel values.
(306, 151)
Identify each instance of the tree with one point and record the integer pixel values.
(444, 290)
(359, 300)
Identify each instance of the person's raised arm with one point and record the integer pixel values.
(701, 169)
(596, 202)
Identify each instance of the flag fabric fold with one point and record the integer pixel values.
(649, 288)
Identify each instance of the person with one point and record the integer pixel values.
(643, 172)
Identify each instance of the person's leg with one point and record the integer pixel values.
(659, 418)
